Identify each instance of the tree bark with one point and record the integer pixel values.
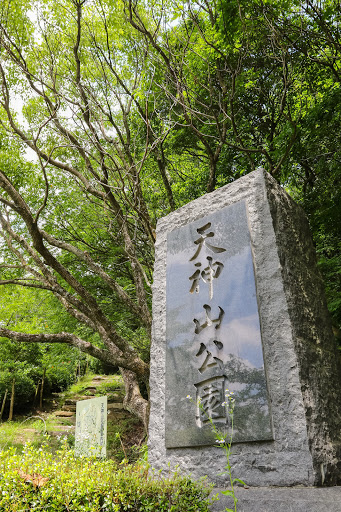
(3, 404)
(42, 390)
(11, 406)
(133, 400)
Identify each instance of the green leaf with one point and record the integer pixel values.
(238, 480)
(227, 493)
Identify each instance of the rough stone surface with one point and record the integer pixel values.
(64, 414)
(285, 499)
(319, 372)
(300, 358)
(116, 406)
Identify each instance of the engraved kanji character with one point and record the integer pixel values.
(208, 321)
(210, 359)
(210, 400)
(202, 241)
(196, 279)
(209, 273)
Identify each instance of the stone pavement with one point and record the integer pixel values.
(283, 499)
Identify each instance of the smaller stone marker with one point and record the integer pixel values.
(91, 427)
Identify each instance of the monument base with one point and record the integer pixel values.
(282, 499)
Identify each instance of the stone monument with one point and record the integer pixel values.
(91, 427)
(238, 304)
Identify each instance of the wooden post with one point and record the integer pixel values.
(11, 405)
(3, 404)
(42, 389)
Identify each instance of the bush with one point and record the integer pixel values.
(37, 480)
(24, 385)
(60, 375)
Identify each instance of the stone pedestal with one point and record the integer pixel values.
(282, 499)
(238, 304)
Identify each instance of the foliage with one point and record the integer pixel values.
(90, 484)
(258, 84)
(80, 386)
(84, 187)
(33, 312)
(115, 384)
(122, 446)
(35, 430)
(125, 432)
(129, 110)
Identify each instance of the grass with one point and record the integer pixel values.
(106, 387)
(112, 383)
(35, 431)
(125, 439)
(39, 471)
(125, 432)
(79, 387)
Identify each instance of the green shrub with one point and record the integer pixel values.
(88, 484)
(60, 375)
(24, 384)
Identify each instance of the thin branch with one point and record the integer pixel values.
(22, 282)
(97, 269)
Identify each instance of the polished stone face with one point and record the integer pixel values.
(213, 332)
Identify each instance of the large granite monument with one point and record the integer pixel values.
(238, 304)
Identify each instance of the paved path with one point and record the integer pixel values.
(283, 499)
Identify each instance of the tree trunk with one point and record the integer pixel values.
(212, 177)
(162, 167)
(11, 405)
(36, 393)
(3, 404)
(133, 400)
(42, 390)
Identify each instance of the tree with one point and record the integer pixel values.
(26, 310)
(253, 83)
(228, 84)
(72, 77)
(130, 110)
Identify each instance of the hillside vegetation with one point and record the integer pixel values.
(38, 469)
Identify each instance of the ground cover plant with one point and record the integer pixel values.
(36, 431)
(38, 480)
(79, 387)
(112, 115)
